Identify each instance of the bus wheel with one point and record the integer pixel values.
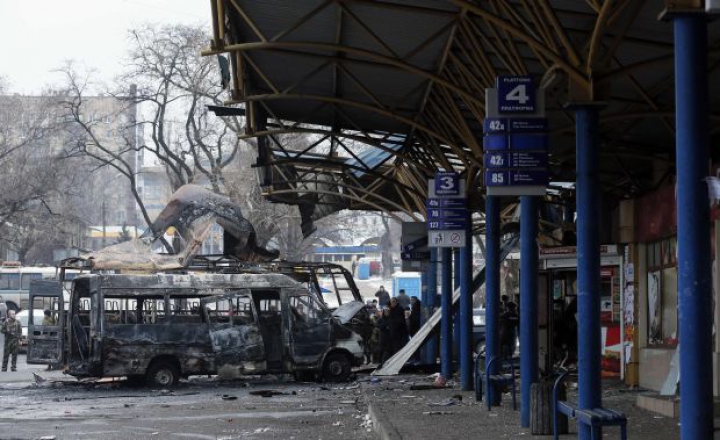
(336, 368)
(162, 374)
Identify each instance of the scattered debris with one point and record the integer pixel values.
(270, 393)
(447, 402)
(367, 422)
(261, 430)
(440, 382)
(338, 424)
(425, 386)
(39, 379)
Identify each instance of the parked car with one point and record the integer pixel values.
(23, 316)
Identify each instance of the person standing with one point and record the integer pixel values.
(383, 297)
(382, 336)
(398, 327)
(509, 322)
(414, 321)
(12, 329)
(403, 300)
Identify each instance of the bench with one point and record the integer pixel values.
(495, 380)
(593, 418)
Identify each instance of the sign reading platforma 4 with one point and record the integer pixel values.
(515, 140)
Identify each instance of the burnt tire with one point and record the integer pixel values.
(336, 368)
(162, 374)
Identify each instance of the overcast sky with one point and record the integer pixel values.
(38, 36)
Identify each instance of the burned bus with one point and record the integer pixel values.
(159, 328)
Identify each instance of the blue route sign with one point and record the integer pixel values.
(516, 159)
(528, 141)
(447, 184)
(447, 214)
(516, 94)
(529, 177)
(495, 142)
(446, 203)
(447, 225)
(527, 125)
(495, 125)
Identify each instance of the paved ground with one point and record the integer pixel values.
(60, 407)
(402, 413)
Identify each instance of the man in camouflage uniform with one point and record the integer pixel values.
(12, 329)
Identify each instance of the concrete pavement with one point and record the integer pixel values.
(399, 412)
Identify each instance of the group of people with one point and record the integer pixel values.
(396, 319)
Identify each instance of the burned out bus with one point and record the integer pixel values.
(159, 328)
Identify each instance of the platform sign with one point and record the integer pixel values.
(515, 140)
(447, 184)
(516, 94)
(447, 213)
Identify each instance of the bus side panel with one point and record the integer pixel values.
(128, 349)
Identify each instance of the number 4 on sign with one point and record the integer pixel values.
(518, 94)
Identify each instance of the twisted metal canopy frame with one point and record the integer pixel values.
(406, 79)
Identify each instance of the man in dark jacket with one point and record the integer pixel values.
(398, 327)
(415, 311)
(12, 329)
(382, 336)
(383, 297)
(509, 322)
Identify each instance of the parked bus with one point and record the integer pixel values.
(15, 282)
(163, 327)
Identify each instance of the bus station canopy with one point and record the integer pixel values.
(391, 91)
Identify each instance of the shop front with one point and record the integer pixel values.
(559, 271)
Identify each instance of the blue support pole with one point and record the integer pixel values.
(528, 303)
(429, 306)
(456, 316)
(466, 292)
(588, 272)
(492, 289)
(694, 269)
(446, 318)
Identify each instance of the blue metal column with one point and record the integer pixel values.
(429, 306)
(456, 315)
(528, 303)
(588, 251)
(492, 288)
(466, 292)
(446, 318)
(694, 270)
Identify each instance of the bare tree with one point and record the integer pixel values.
(33, 175)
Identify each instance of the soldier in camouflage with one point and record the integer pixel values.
(12, 329)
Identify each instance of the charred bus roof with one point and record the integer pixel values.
(140, 284)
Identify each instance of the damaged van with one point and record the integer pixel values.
(160, 328)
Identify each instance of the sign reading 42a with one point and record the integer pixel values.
(516, 94)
